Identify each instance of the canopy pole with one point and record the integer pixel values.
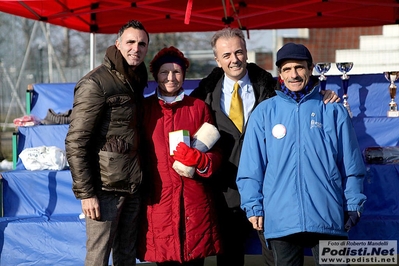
(50, 55)
(236, 15)
(224, 10)
(188, 12)
(92, 50)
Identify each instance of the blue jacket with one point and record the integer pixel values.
(300, 166)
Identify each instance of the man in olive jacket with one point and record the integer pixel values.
(102, 148)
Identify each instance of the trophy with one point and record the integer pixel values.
(322, 68)
(345, 68)
(392, 76)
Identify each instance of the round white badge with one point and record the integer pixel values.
(279, 131)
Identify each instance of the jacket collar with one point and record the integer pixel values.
(137, 78)
(255, 73)
(178, 98)
(314, 90)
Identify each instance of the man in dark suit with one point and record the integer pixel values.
(256, 85)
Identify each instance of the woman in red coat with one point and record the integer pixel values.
(179, 221)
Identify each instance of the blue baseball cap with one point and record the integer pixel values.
(293, 51)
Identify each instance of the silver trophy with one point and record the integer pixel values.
(344, 68)
(392, 76)
(322, 69)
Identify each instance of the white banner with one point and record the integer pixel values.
(358, 252)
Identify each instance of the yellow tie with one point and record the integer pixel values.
(236, 110)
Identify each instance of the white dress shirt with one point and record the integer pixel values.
(246, 92)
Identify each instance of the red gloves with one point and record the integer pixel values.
(191, 156)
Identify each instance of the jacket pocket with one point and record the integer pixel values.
(337, 189)
(117, 171)
(119, 99)
(122, 107)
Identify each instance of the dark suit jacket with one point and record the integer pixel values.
(231, 139)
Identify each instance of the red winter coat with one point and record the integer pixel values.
(179, 220)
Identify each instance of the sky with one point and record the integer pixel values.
(263, 40)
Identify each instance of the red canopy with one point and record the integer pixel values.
(106, 16)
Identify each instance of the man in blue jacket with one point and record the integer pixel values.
(256, 85)
(301, 170)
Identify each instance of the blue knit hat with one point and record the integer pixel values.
(293, 51)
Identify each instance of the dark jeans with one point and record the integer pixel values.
(116, 231)
(197, 262)
(289, 250)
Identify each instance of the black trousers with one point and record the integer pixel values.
(289, 250)
(267, 253)
(235, 230)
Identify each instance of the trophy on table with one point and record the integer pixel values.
(322, 69)
(392, 76)
(344, 68)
